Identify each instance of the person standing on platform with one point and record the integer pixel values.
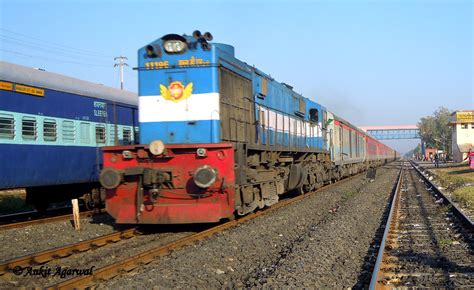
(470, 158)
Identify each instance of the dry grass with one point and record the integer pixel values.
(465, 195)
(460, 182)
(456, 175)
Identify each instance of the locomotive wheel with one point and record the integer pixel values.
(87, 199)
(92, 200)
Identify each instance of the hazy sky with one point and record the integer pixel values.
(372, 62)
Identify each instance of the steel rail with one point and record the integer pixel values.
(456, 210)
(128, 264)
(466, 220)
(46, 220)
(27, 215)
(64, 251)
(393, 202)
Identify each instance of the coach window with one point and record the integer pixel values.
(100, 133)
(127, 136)
(69, 132)
(85, 133)
(49, 130)
(112, 130)
(28, 128)
(463, 126)
(313, 115)
(7, 127)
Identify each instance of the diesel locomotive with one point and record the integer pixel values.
(221, 138)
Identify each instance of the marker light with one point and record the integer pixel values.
(153, 50)
(110, 178)
(157, 147)
(201, 152)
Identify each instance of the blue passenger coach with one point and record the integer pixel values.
(52, 128)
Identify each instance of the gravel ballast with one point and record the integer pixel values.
(321, 241)
(35, 238)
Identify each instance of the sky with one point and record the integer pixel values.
(370, 62)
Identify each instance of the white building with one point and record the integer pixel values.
(463, 133)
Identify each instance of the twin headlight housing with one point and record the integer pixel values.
(175, 46)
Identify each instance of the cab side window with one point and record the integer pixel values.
(313, 115)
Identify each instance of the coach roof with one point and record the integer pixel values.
(38, 78)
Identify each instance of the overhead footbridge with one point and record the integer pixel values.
(393, 132)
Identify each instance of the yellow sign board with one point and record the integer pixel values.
(29, 90)
(6, 86)
(464, 117)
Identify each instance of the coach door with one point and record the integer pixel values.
(236, 108)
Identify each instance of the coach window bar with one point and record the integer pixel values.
(49, 130)
(28, 128)
(7, 126)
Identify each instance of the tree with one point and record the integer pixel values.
(434, 129)
(415, 151)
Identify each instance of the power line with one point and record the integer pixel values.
(23, 44)
(56, 44)
(46, 46)
(51, 59)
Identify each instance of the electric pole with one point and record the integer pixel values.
(121, 63)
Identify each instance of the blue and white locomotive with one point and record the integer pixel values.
(221, 138)
(52, 128)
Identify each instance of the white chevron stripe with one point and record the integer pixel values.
(196, 107)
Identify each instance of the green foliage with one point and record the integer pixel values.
(416, 151)
(434, 129)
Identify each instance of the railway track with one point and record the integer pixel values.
(61, 252)
(110, 271)
(21, 220)
(428, 242)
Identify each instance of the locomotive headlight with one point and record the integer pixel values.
(205, 176)
(174, 46)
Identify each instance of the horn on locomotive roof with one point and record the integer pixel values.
(207, 36)
(197, 34)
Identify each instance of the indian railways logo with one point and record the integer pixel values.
(176, 92)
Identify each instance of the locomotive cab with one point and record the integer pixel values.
(179, 89)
